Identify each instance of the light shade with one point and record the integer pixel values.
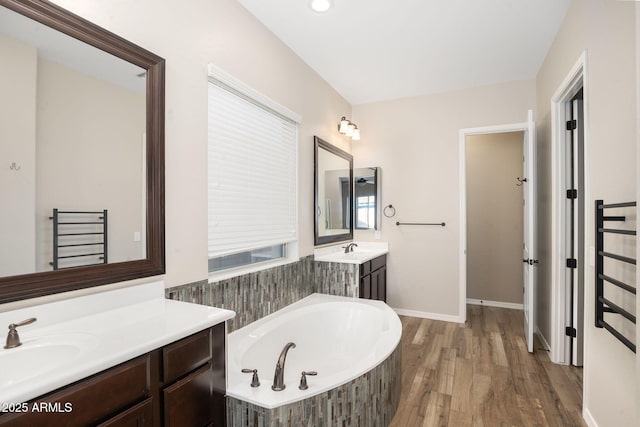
(344, 125)
(350, 129)
(356, 134)
(321, 5)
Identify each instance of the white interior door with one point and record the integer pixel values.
(529, 248)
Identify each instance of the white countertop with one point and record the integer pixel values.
(109, 328)
(363, 252)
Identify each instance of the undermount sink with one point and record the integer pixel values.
(38, 355)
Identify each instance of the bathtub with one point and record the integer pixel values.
(341, 338)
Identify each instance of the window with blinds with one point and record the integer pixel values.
(252, 180)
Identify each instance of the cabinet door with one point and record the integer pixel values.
(374, 284)
(382, 284)
(189, 402)
(365, 287)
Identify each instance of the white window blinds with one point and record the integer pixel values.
(252, 174)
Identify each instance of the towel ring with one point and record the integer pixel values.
(389, 211)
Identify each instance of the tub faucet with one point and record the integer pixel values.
(278, 377)
(349, 247)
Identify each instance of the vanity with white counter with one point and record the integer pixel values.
(116, 358)
(371, 259)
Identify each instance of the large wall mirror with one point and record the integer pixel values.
(81, 131)
(366, 197)
(333, 180)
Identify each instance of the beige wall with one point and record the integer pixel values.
(606, 29)
(17, 145)
(223, 33)
(416, 142)
(84, 161)
(494, 217)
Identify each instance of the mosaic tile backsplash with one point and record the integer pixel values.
(252, 296)
(256, 295)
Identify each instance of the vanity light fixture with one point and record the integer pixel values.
(321, 6)
(346, 127)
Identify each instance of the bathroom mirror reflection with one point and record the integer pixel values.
(333, 193)
(81, 118)
(366, 199)
(81, 130)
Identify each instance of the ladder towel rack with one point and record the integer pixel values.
(604, 304)
(79, 238)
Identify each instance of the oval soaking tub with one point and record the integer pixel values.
(351, 343)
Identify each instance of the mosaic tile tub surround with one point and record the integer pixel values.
(370, 400)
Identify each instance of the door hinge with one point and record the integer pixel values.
(572, 263)
(570, 332)
(572, 124)
(572, 193)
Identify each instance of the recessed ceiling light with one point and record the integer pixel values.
(321, 6)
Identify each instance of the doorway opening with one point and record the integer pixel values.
(529, 219)
(494, 219)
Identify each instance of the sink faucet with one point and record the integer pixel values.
(278, 377)
(13, 339)
(349, 247)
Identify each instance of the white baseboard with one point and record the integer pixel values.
(499, 304)
(543, 340)
(426, 315)
(588, 418)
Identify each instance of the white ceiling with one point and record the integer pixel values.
(373, 50)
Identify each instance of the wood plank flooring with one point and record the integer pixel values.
(480, 374)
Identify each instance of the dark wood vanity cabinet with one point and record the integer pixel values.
(181, 384)
(373, 279)
(194, 380)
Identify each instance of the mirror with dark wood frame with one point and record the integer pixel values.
(333, 182)
(145, 72)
